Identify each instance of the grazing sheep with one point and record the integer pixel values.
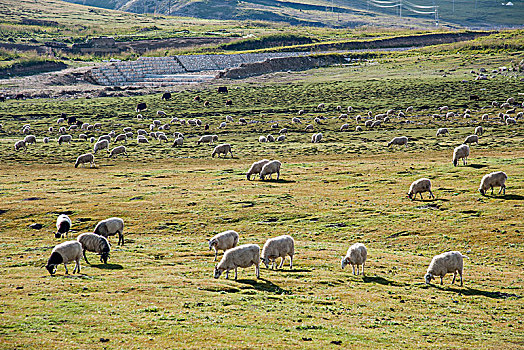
(283, 131)
(309, 127)
(300, 112)
(368, 123)
(224, 148)
(162, 137)
(420, 186)
(510, 101)
(316, 138)
(179, 141)
(321, 106)
(208, 138)
(19, 145)
(62, 130)
(479, 130)
(141, 139)
(491, 180)
(30, 139)
(96, 244)
(84, 126)
(222, 125)
(121, 137)
(97, 125)
(242, 256)
(65, 138)
(129, 135)
(401, 114)
(471, 139)
(511, 121)
(157, 122)
(401, 140)
(161, 113)
(449, 262)
(256, 167)
(110, 227)
(442, 131)
(60, 120)
(85, 158)
(409, 109)
(281, 138)
(350, 109)
(229, 119)
(100, 145)
(356, 255)
(443, 108)
(223, 241)
(65, 253)
(343, 116)
(45, 140)
(242, 121)
(358, 128)
(270, 168)
(450, 115)
(296, 120)
(141, 132)
(141, 107)
(82, 137)
(485, 117)
(73, 127)
(270, 138)
(63, 225)
(278, 247)
(105, 137)
(461, 152)
(118, 150)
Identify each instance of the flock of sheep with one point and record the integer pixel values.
(249, 254)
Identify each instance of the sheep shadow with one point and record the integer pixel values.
(476, 166)
(108, 266)
(280, 181)
(383, 281)
(512, 197)
(267, 286)
(476, 292)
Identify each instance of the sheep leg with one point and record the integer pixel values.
(454, 276)
(291, 263)
(85, 257)
(282, 262)
(273, 264)
(460, 273)
(353, 266)
(363, 269)
(120, 238)
(278, 175)
(503, 187)
(216, 253)
(421, 196)
(441, 281)
(257, 270)
(67, 272)
(492, 190)
(77, 266)
(431, 195)
(236, 268)
(227, 274)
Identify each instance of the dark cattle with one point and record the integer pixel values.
(206, 104)
(474, 97)
(166, 96)
(197, 98)
(229, 103)
(222, 89)
(141, 107)
(71, 120)
(79, 122)
(19, 96)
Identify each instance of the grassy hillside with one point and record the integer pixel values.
(480, 13)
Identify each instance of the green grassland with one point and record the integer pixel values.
(157, 290)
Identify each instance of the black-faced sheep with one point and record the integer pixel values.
(94, 243)
(110, 227)
(65, 253)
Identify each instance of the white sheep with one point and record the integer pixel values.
(296, 120)
(479, 130)
(344, 127)
(449, 262)
(85, 158)
(141, 132)
(121, 137)
(110, 227)
(283, 131)
(118, 150)
(420, 186)
(179, 141)
(256, 167)
(82, 137)
(30, 139)
(242, 121)
(442, 131)
(316, 138)
(19, 145)
(222, 125)
(262, 139)
(401, 140)
(229, 119)
(270, 138)
(60, 120)
(224, 148)
(161, 137)
(65, 253)
(141, 139)
(100, 145)
(270, 168)
(471, 139)
(208, 138)
(491, 180)
(409, 109)
(358, 128)
(64, 138)
(511, 121)
(278, 247)
(356, 256)
(97, 125)
(461, 152)
(105, 137)
(281, 138)
(94, 243)
(45, 140)
(223, 241)
(242, 256)
(63, 225)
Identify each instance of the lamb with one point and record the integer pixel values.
(401, 140)
(110, 227)
(256, 167)
(442, 131)
(19, 145)
(471, 139)
(223, 241)
(356, 255)
(278, 247)
(242, 256)
(60, 120)
(479, 130)
(270, 168)
(85, 158)
(118, 150)
(316, 138)
(94, 243)
(208, 138)
(65, 253)
(64, 138)
(420, 186)
(224, 148)
(100, 145)
(179, 141)
(461, 152)
(445, 263)
(161, 113)
(63, 225)
(485, 117)
(121, 137)
(30, 139)
(497, 178)
(62, 130)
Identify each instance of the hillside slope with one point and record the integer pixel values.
(343, 13)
